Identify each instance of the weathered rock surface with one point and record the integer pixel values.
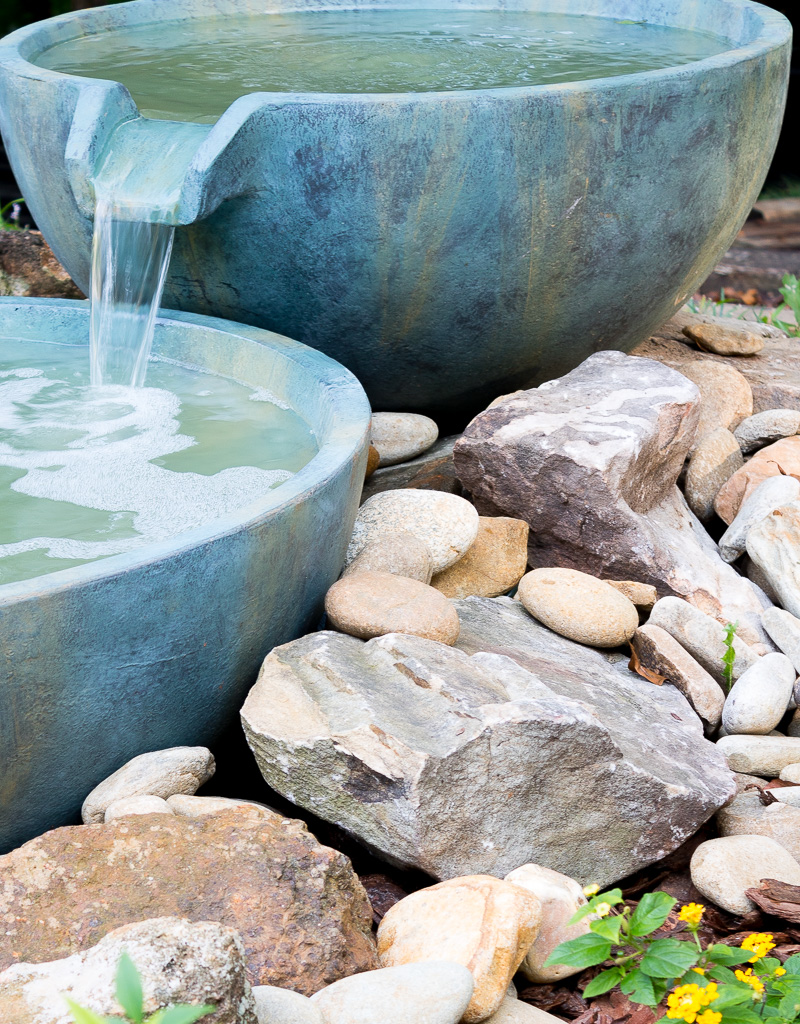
(158, 773)
(746, 815)
(722, 869)
(28, 266)
(774, 492)
(774, 546)
(400, 436)
(494, 564)
(432, 471)
(579, 607)
(760, 697)
(425, 993)
(725, 396)
(514, 1011)
(643, 595)
(137, 805)
(779, 459)
(400, 553)
(200, 806)
(773, 374)
(723, 341)
(302, 914)
(370, 604)
(701, 636)
(590, 461)
(766, 427)
(447, 524)
(560, 897)
(713, 462)
(178, 962)
(784, 629)
(282, 1006)
(390, 740)
(373, 461)
(766, 756)
(485, 924)
(661, 653)
(791, 773)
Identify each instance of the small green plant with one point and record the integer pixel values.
(716, 985)
(11, 223)
(131, 998)
(791, 300)
(729, 657)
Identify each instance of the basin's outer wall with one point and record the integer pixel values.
(450, 247)
(163, 653)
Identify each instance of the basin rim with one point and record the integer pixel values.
(345, 437)
(19, 49)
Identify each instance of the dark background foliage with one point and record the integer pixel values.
(785, 169)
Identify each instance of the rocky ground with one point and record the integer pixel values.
(563, 652)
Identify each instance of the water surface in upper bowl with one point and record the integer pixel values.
(87, 471)
(193, 70)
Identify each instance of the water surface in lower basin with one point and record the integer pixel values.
(87, 472)
(193, 70)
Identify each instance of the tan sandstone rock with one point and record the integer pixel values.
(494, 564)
(643, 595)
(712, 463)
(774, 546)
(723, 869)
(779, 459)
(579, 607)
(400, 553)
(723, 341)
(746, 815)
(726, 397)
(485, 924)
(370, 604)
(561, 897)
(301, 912)
(400, 436)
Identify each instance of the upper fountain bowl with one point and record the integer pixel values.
(445, 246)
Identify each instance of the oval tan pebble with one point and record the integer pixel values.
(400, 436)
(724, 341)
(579, 607)
(370, 604)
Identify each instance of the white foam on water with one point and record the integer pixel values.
(93, 446)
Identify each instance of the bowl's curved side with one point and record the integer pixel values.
(448, 247)
(100, 664)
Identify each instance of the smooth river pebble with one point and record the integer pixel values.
(760, 697)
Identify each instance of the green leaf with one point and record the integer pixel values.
(738, 1014)
(721, 974)
(652, 912)
(604, 982)
(180, 1014)
(789, 1005)
(585, 951)
(732, 995)
(83, 1016)
(669, 958)
(129, 989)
(612, 898)
(792, 965)
(607, 928)
(727, 956)
(645, 989)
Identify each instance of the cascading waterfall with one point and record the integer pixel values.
(136, 201)
(129, 267)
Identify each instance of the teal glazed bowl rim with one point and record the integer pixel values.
(764, 28)
(340, 431)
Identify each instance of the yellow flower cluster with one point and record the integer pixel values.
(590, 890)
(689, 1002)
(750, 979)
(603, 909)
(691, 914)
(759, 944)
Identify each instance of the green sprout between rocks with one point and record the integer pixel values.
(718, 984)
(131, 998)
(729, 657)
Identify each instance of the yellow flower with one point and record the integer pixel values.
(691, 914)
(750, 979)
(759, 944)
(686, 1002)
(699, 970)
(603, 909)
(779, 971)
(590, 890)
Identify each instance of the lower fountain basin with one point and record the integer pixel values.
(445, 246)
(158, 647)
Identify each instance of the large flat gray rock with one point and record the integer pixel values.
(590, 462)
(521, 747)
